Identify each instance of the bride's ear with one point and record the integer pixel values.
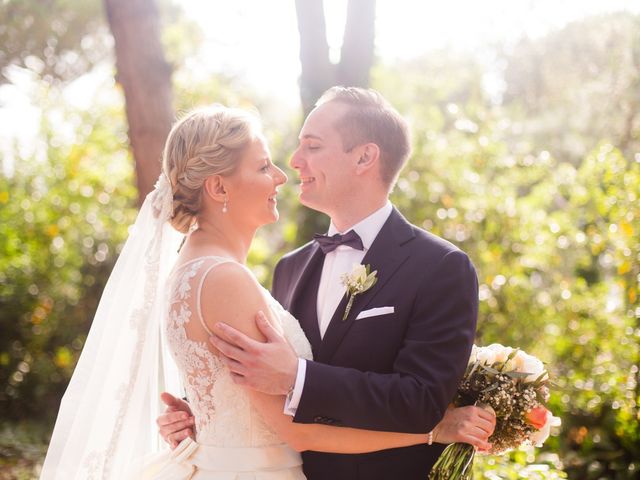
(214, 188)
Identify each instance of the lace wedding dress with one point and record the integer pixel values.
(232, 441)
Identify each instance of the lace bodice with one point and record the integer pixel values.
(224, 415)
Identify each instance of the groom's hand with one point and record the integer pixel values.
(269, 367)
(177, 421)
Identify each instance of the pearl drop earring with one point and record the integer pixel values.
(224, 207)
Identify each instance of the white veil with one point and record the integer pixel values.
(107, 415)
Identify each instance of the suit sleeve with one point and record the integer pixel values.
(427, 370)
(278, 288)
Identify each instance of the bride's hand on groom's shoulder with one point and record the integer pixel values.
(177, 421)
(473, 425)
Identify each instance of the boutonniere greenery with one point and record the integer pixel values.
(358, 281)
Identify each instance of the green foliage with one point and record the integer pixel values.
(539, 185)
(22, 448)
(517, 465)
(58, 39)
(555, 242)
(61, 40)
(62, 220)
(578, 86)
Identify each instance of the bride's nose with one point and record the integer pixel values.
(280, 176)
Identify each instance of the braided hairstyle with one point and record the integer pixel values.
(206, 141)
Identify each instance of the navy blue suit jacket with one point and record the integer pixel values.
(393, 372)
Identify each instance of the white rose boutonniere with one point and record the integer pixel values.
(356, 282)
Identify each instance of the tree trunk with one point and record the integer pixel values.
(356, 55)
(319, 74)
(145, 77)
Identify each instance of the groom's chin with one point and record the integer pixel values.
(309, 203)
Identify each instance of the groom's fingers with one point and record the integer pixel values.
(175, 438)
(234, 366)
(266, 328)
(175, 427)
(171, 417)
(229, 350)
(235, 337)
(170, 401)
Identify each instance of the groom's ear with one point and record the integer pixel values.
(214, 188)
(369, 157)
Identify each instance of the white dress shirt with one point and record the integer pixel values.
(331, 290)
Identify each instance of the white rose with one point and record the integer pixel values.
(540, 436)
(501, 352)
(474, 355)
(359, 273)
(525, 363)
(486, 356)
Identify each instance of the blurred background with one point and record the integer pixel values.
(526, 129)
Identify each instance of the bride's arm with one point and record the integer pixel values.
(466, 425)
(232, 295)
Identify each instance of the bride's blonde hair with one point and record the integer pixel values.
(207, 141)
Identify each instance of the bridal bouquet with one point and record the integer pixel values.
(516, 386)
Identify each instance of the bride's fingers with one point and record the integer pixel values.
(483, 414)
(478, 441)
(480, 431)
(487, 418)
(485, 426)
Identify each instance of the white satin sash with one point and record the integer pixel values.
(191, 460)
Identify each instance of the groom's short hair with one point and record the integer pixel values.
(371, 118)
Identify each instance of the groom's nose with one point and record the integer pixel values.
(296, 159)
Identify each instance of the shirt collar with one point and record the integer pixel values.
(369, 227)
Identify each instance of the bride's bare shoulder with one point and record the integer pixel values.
(231, 294)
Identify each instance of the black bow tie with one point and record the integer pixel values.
(329, 244)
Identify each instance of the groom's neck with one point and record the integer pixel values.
(344, 219)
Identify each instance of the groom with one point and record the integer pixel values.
(392, 361)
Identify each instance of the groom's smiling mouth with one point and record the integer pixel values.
(307, 180)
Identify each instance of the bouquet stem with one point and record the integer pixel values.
(455, 463)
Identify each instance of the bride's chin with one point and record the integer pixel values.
(272, 217)
(275, 216)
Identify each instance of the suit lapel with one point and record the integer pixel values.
(385, 256)
(304, 295)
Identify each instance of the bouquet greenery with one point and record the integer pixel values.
(516, 386)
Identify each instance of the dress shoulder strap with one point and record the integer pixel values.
(219, 261)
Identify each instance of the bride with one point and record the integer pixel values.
(218, 187)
